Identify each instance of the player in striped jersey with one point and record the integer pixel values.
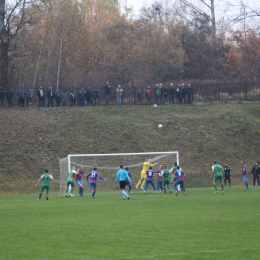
(92, 180)
(244, 173)
(149, 179)
(179, 173)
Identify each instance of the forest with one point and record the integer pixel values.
(72, 43)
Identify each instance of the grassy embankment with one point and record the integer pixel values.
(33, 139)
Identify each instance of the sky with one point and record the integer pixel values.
(137, 4)
(220, 5)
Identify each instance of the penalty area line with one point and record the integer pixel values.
(189, 253)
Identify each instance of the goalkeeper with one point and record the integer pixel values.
(146, 165)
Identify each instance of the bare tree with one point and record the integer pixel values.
(204, 10)
(245, 11)
(13, 17)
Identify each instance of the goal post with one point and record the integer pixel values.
(108, 165)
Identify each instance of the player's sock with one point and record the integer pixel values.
(71, 190)
(40, 195)
(129, 189)
(222, 187)
(125, 194)
(246, 186)
(138, 184)
(66, 191)
(215, 187)
(93, 194)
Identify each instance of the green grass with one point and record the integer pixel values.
(201, 225)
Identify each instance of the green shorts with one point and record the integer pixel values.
(70, 183)
(166, 182)
(45, 187)
(218, 177)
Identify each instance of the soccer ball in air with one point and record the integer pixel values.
(159, 126)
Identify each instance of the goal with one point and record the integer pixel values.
(108, 165)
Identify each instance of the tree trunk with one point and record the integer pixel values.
(3, 48)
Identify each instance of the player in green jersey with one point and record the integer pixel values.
(166, 179)
(70, 181)
(46, 180)
(217, 172)
(172, 170)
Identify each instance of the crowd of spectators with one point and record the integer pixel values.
(106, 95)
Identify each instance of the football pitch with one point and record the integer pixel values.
(202, 225)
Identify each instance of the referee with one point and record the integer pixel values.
(122, 176)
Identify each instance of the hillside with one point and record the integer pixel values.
(34, 139)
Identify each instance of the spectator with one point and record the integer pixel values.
(171, 93)
(139, 96)
(50, 97)
(156, 93)
(81, 97)
(57, 97)
(96, 97)
(40, 95)
(161, 92)
(89, 97)
(119, 93)
(178, 93)
(72, 98)
(165, 95)
(183, 93)
(65, 98)
(149, 94)
(20, 95)
(28, 97)
(2, 96)
(9, 96)
(107, 92)
(189, 94)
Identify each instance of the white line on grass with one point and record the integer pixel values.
(182, 253)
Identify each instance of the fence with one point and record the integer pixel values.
(137, 95)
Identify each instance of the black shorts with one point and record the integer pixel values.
(122, 184)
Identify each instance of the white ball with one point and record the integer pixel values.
(160, 126)
(155, 105)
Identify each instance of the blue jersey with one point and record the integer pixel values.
(244, 170)
(150, 173)
(122, 175)
(93, 176)
(129, 174)
(179, 174)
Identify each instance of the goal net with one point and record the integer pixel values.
(108, 164)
